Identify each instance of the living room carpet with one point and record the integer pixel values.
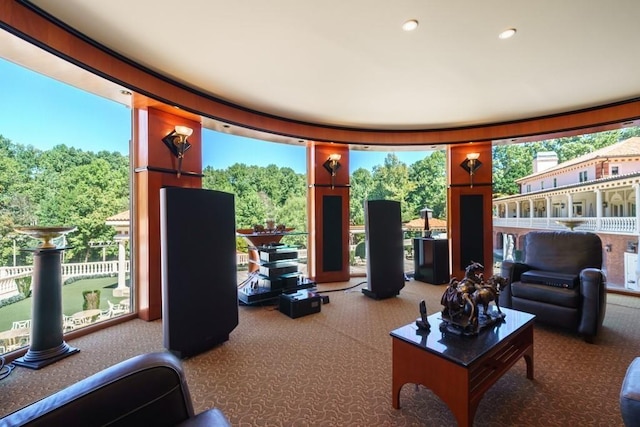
(333, 368)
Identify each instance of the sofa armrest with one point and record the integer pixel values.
(209, 418)
(594, 301)
(511, 271)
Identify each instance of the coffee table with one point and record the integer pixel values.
(460, 369)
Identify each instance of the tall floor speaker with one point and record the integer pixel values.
(385, 252)
(199, 279)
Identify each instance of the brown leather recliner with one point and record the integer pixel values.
(560, 281)
(146, 390)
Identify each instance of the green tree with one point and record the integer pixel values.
(392, 182)
(429, 175)
(361, 187)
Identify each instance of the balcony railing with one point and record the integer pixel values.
(8, 275)
(613, 225)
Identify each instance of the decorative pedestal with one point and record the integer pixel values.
(47, 344)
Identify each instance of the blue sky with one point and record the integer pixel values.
(40, 111)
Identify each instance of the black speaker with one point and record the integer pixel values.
(199, 275)
(384, 248)
(471, 230)
(332, 233)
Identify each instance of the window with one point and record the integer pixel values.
(583, 176)
(615, 170)
(528, 188)
(555, 182)
(95, 275)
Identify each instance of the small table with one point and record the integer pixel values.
(460, 369)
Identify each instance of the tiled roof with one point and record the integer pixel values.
(119, 217)
(434, 223)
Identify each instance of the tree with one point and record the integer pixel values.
(430, 191)
(392, 182)
(361, 187)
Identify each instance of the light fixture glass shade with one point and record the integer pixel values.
(334, 157)
(184, 131)
(473, 156)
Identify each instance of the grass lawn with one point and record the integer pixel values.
(71, 300)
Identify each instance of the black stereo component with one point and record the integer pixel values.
(300, 304)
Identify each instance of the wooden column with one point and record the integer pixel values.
(469, 211)
(156, 167)
(328, 214)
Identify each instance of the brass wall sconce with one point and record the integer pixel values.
(332, 164)
(177, 143)
(471, 165)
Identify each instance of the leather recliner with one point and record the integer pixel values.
(560, 281)
(146, 390)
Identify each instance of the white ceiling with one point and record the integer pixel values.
(348, 62)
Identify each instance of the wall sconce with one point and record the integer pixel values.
(471, 165)
(177, 143)
(607, 247)
(332, 164)
(561, 205)
(605, 205)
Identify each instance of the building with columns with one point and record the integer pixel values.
(596, 192)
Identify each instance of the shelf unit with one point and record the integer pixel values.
(276, 273)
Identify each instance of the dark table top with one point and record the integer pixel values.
(463, 350)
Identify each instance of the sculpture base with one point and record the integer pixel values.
(40, 359)
(459, 325)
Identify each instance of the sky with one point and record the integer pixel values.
(43, 112)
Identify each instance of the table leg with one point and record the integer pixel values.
(528, 358)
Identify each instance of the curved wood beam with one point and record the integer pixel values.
(51, 35)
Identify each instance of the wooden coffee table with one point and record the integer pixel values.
(460, 369)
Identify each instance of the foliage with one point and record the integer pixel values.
(60, 186)
(91, 299)
(11, 300)
(24, 285)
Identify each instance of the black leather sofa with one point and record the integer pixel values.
(146, 390)
(560, 281)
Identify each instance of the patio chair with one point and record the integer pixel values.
(116, 309)
(67, 323)
(21, 324)
(105, 314)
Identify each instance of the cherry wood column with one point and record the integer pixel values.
(469, 210)
(328, 214)
(155, 167)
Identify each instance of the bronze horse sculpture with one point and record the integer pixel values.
(462, 300)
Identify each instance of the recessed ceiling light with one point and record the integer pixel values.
(508, 33)
(410, 25)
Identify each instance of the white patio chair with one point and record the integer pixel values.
(105, 314)
(67, 323)
(20, 324)
(116, 309)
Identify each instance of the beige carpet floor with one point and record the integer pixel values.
(333, 368)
